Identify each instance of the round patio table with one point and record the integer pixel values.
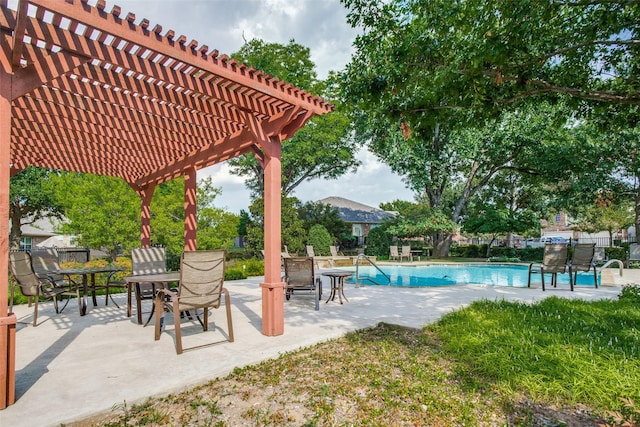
(337, 283)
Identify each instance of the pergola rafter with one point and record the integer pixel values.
(85, 89)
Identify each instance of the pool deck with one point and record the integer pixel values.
(70, 367)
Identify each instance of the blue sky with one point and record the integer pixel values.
(318, 24)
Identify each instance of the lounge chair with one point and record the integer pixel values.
(583, 260)
(201, 287)
(393, 252)
(32, 286)
(145, 261)
(310, 251)
(554, 262)
(634, 254)
(333, 250)
(406, 253)
(299, 275)
(285, 252)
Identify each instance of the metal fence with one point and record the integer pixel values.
(603, 242)
(74, 254)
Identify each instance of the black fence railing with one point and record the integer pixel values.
(604, 242)
(74, 254)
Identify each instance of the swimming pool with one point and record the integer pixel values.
(456, 274)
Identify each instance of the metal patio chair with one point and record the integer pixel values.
(32, 286)
(201, 287)
(554, 261)
(299, 275)
(145, 261)
(583, 260)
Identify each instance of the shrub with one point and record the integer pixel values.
(253, 267)
(616, 253)
(320, 239)
(378, 242)
(630, 293)
(469, 251)
(235, 273)
(479, 251)
(502, 259)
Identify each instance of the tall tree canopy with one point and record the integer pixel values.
(451, 92)
(422, 58)
(321, 149)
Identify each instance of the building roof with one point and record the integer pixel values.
(355, 212)
(44, 227)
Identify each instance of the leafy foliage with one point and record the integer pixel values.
(434, 222)
(103, 212)
(326, 215)
(487, 55)
(630, 293)
(293, 232)
(217, 228)
(452, 93)
(320, 239)
(322, 148)
(378, 242)
(31, 197)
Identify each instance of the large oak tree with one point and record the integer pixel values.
(448, 92)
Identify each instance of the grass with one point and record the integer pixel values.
(558, 362)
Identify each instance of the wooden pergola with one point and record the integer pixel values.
(85, 89)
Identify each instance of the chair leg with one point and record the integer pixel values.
(159, 318)
(138, 304)
(176, 324)
(35, 311)
(573, 279)
(542, 277)
(55, 304)
(110, 296)
(205, 324)
(227, 303)
(595, 277)
(129, 289)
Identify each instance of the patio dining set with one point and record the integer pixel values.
(200, 285)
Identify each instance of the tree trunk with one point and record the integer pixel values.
(16, 231)
(441, 245)
(488, 253)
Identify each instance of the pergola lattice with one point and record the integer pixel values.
(85, 89)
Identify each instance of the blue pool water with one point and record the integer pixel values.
(455, 274)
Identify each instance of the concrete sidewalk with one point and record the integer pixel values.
(71, 367)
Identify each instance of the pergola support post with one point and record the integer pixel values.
(190, 181)
(145, 215)
(7, 320)
(273, 287)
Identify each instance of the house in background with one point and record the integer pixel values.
(561, 226)
(362, 218)
(38, 233)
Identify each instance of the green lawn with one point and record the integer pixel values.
(558, 362)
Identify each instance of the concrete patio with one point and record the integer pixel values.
(71, 367)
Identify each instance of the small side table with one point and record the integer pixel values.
(337, 283)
